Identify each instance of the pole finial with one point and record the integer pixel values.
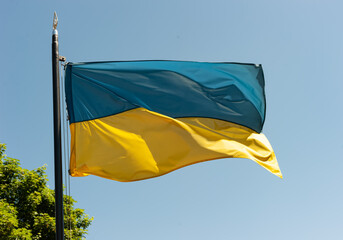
(55, 22)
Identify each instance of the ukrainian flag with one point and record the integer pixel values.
(141, 119)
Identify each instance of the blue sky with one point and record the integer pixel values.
(299, 44)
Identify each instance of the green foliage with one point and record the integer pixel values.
(27, 205)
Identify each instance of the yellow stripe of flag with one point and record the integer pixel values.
(140, 144)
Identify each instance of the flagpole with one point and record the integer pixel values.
(57, 134)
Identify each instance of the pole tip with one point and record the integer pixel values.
(55, 22)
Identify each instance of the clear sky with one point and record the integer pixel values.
(299, 44)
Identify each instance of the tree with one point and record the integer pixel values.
(27, 205)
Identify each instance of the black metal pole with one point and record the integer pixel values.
(57, 134)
